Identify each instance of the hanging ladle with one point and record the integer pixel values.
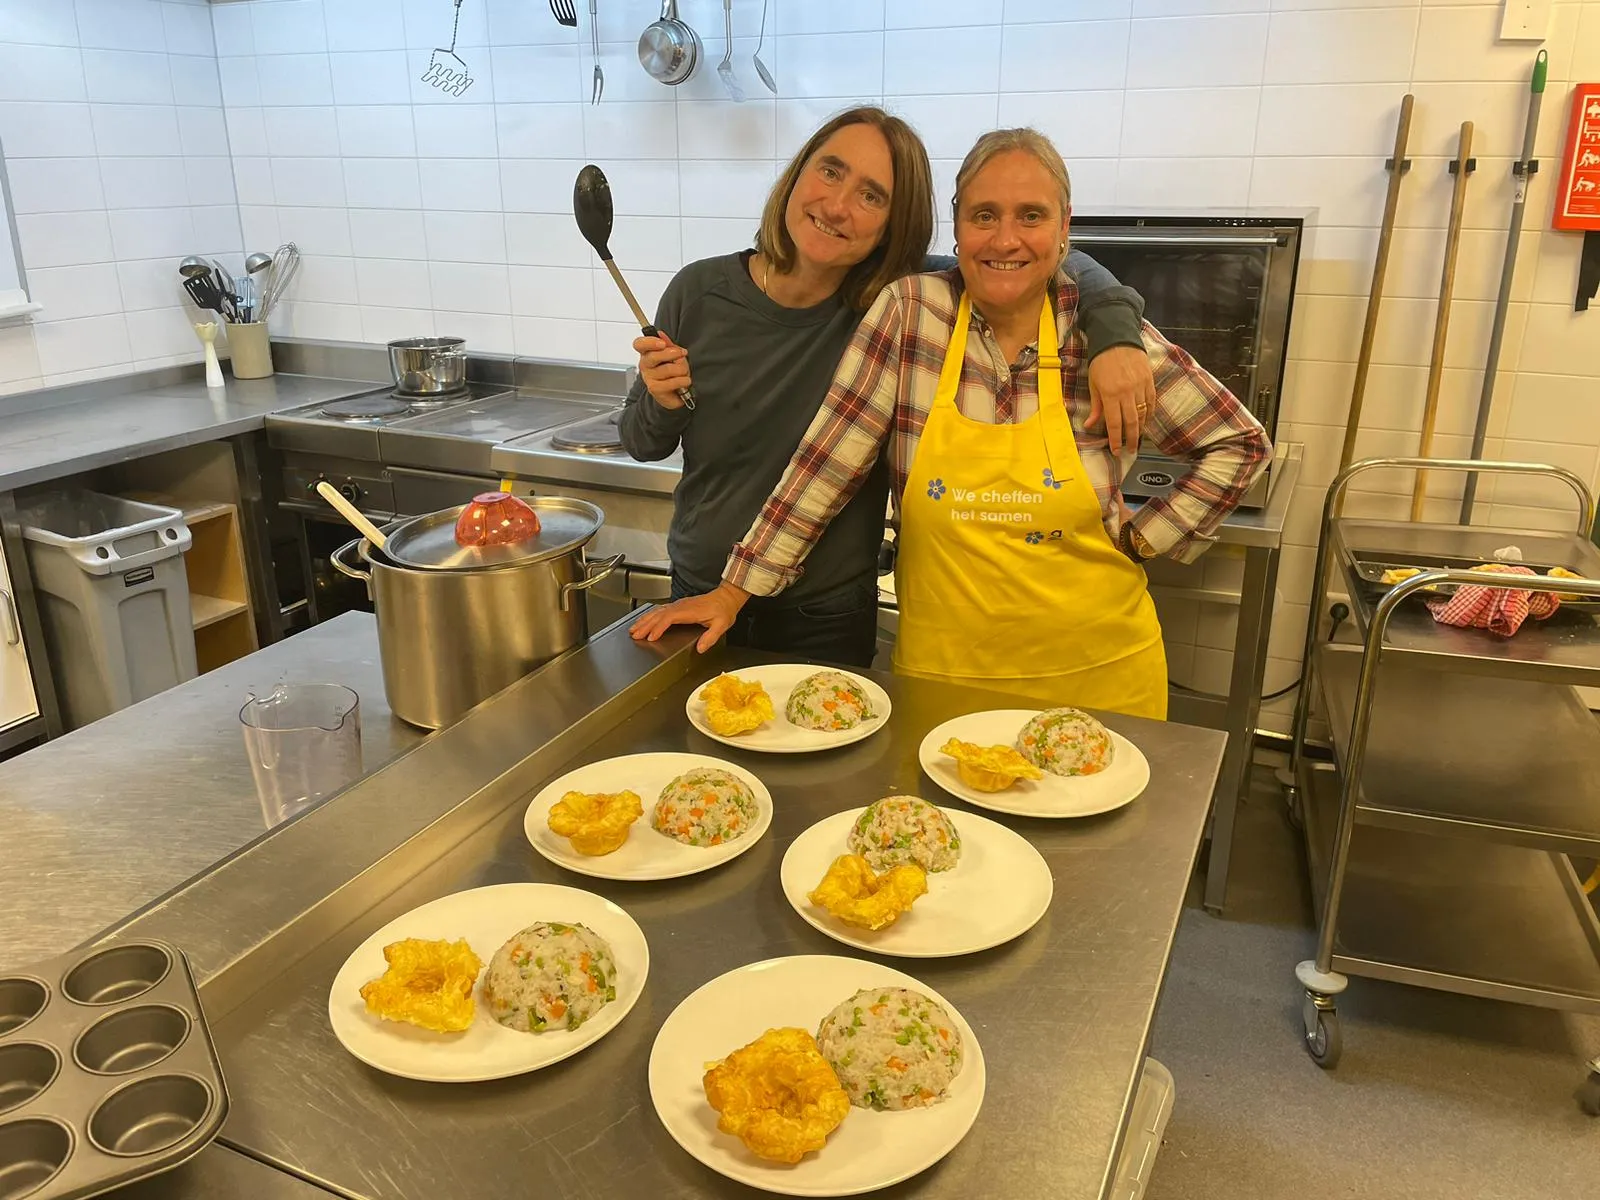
(351, 513)
(591, 205)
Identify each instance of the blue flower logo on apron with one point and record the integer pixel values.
(1034, 538)
(1050, 480)
(936, 489)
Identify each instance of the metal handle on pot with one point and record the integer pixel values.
(595, 571)
(339, 565)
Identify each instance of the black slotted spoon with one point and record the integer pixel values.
(591, 205)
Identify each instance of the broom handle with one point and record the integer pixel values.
(1441, 323)
(1380, 267)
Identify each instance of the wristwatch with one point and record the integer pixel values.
(1131, 543)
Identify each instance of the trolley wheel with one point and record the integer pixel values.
(1589, 1094)
(1324, 1040)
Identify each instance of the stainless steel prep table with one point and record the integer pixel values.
(1063, 1013)
(102, 821)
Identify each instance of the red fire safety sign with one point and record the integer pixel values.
(1578, 194)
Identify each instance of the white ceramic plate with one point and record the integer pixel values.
(998, 890)
(646, 854)
(486, 917)
(777, 736)
(1054, 795)
(870, 1150)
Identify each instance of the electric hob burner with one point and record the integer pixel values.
(599, 436)
(431, 399)
(365, 408)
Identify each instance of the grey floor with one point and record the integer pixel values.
(1436, 1095)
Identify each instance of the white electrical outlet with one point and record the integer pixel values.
(1525, 21)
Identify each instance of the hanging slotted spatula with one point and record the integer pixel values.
(591, 205)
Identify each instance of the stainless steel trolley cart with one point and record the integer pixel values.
(1469, 762)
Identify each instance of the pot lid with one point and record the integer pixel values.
(430, 542)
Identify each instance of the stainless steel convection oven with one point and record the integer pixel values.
(1219, 284)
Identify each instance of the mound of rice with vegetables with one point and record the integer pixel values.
(1066, 741)
(905, 829)
(828, 700)
(550, 976)
(891, 1048)
(705, 807)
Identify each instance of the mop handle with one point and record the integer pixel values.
(1523, 170)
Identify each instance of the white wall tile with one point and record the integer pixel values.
(162, 332)
(532, 74)
(63, 239)
(473, 237)
(942, 14)
(121, 25)
(147, 283)
(460, 130)
(210, 180)
(388, 233)
(328, 231)
(915, 61)
(188, 29)
(470, 287)
(429, 24)
(826, 16)
(1341, 46)
(1081, 124)
(290, 26)
(539, 130)
(241, 82)
(369, 77)
(83, 344)
(1075, 56)
(152, 232)
(127, 77)
(383, 324)
(948, 125)
(545, 337)
(461, 184)
(252, 181)
(610, 306)
(713, 129)
(203, 131)
(69, 292)
(1197, 51)
(1461, 44)
(315, 182)
(1346, 119)
(549, 239)
(376, 131)
(513, 23)
(1029, 12)
(1345, 191)
(41, 73)
(1184, 182)
(30, 23)
(310, 132)
(724, 189)
(216, 229)
(46, 130)
(367, 25)
(545, 185)
(393, 283)
(382, 183)
(844, 65)
(195, 80)
(144, 182)
(55, 184)
(232, 29)
(324, 279)
(290, 79)
(554, 292)
(1205, 122)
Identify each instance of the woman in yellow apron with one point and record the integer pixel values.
(1018, 563)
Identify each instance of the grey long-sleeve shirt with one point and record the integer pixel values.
(761, 372)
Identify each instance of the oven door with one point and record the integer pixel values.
(1221, 291)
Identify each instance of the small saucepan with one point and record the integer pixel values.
(428, 366)
(668, 49)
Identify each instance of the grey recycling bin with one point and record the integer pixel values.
(113, 597)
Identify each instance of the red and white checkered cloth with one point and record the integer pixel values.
(1499, 610)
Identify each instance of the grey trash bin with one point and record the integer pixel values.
(113, 597)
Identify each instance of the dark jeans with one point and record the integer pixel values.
(841, 628)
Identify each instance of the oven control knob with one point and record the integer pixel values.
(350, 492)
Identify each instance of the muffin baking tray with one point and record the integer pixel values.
(107, 1071)
(1370, 567)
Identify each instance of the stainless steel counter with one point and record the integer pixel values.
(1063, 1013)
(62, 431)
(103, 821)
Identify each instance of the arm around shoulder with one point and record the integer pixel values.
(1110, 313)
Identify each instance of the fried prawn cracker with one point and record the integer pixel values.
(856, 895)
(427, 983)
(595, 823)
(734, 706)
(989, 768)
(778, 1095)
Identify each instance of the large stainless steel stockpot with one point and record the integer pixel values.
(454, 633)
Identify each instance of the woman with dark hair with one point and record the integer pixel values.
(765, 328)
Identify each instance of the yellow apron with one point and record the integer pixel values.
(1006, 578)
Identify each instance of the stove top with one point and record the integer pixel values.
(599, 436)
(383, 406)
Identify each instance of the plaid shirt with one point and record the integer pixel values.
(885, 387)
